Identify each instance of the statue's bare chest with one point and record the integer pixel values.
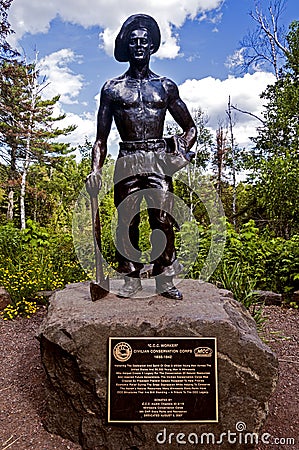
(140, 94)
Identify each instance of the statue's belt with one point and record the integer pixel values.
(159, 156)
(149, 145)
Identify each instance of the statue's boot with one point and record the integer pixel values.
(165, 287)
(130, 287)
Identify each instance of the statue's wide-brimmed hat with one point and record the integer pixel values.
(135, 22)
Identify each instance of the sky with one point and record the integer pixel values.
(200, 39)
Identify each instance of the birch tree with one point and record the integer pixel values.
(265, 47)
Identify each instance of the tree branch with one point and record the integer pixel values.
(248, 113)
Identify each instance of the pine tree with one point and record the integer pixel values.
(5, 30)
(27, 125)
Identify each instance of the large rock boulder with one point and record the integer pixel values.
(74, 339)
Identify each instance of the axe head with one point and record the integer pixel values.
(99, 290)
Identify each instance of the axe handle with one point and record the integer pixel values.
(96, 230)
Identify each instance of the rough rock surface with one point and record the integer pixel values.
(74, 338)
(269, 297)
(295, 297)
(4, 298)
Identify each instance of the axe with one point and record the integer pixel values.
(99, 288)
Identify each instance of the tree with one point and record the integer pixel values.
(53, 189)
(232, 157)
(202, 150)
(204, 140)
(226, 163)
(27, 124)
(5, 30)
(13, 93)
(274, 160)
(265, 47)
(218, 161)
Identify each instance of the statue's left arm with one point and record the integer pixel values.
(181, 115)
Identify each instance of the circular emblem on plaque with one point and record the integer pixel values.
(203, 352)
(122, 351)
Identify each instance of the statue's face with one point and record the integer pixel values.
(140, 46)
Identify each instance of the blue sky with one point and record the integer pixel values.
(75, 40)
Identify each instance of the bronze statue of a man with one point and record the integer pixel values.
(138, 101)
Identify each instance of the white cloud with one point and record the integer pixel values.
(212, 95)
(236, 59)
(85, 128)
(34, 16)
(61, 80)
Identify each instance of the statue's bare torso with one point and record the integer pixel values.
(139, 105)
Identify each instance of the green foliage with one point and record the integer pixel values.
(204, 141)
(38, 259)
(33, 260)
(186, 237)
(252, 260)
(35, 235)
(242, 287)
(107, 216)
(10, 241)
(53, 191)
(268, 260)
(283, 265)
(5, 30)
(27, 122)
(144, 235)
(274, 161)
(28, 130)
(293, 43)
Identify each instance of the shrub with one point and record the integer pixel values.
(38, 260)
(252, 259)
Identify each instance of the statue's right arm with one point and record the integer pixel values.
(104, 122)
(99, 150)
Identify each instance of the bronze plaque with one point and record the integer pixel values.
(162, 379)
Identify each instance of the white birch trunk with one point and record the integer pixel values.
(10, 205)
(233, 156)
(33, 85)
(23, 186)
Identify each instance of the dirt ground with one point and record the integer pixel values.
(22, 381)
